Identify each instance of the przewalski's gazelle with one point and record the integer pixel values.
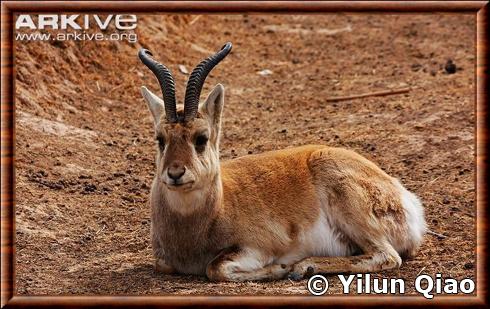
(297, 211)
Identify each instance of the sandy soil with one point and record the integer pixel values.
(85, 147)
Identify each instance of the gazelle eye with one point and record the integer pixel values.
(200, 143)
(161, 142)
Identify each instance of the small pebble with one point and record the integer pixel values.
(450, 67)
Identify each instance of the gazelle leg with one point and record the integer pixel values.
(159, 254)
(239, 265)
(370, 262)
(161, 266)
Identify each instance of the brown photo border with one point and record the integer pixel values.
(9, 8)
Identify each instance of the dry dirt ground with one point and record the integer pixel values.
(85, 145)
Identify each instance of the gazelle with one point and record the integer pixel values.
(293, 212)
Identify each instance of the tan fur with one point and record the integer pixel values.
(236, 220)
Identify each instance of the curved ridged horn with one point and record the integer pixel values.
(166, 81)
(196, 81)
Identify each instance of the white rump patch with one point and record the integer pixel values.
(414, 211)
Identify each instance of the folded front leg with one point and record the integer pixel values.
(237, 264)
(162, 267)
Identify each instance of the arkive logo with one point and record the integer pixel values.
(76, 22)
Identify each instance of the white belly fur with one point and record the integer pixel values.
(320, 240)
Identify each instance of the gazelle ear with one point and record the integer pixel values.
(213, 105)
(155, 104)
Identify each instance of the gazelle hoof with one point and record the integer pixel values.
(295, 276)
(301, 271)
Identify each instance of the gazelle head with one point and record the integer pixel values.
(188, 140)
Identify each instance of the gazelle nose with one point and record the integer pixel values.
(176, 170)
